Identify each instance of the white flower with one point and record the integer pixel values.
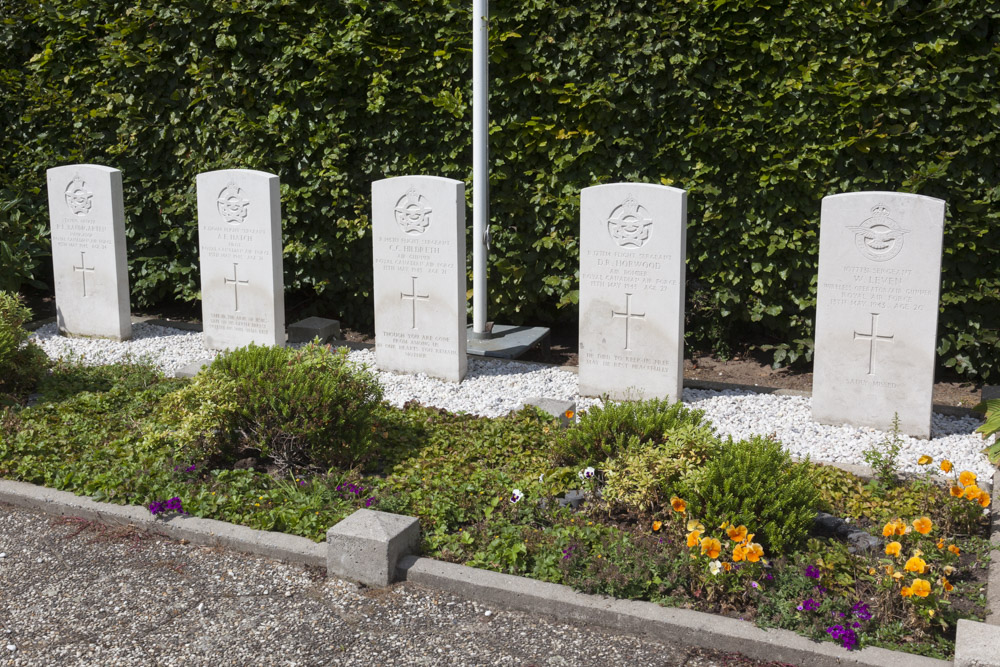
(541, 478)
(586, 473)
(516, 495)
(714, 567)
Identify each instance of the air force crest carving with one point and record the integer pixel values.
(412, 213)
(879, 238)
(79, 199)
(233, 205)
(630, 224)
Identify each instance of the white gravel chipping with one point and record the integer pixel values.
(493, 388)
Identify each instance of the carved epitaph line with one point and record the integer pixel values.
(872, 337)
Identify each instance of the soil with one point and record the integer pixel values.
(743, 368)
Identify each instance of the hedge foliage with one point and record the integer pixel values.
(757, 109)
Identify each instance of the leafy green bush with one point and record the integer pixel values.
(197, 423)
(22, 363)
(644, 477)
(307, 407)
(615, 428)
(755, 483)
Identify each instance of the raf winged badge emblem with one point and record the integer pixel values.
(233, 205)
(412, 213)
(630, 224)
(79, 199)
(879, 238)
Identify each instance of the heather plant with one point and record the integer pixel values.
(754, 482)
(301, 408)
(613, 429)
(22, 363)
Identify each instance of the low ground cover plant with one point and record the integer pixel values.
(662, 509)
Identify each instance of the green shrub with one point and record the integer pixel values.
(22, 363)
(644, 477)
(755, 483)
(197, 422)
(307, 407)
(605, 432)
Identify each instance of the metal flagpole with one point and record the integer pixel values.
(480, 162)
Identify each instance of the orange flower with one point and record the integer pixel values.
(924, 460)
(971, 492)
(947, 584)
(915, 564)
(889, 529)
(737, 533)
(754, 552)
(921, 587)
(966, 478)
(694, 537)
(727, 566)
(923, 525)
(984, 499)
(940, 544)
(954, 549)
(892, 549)
(678, 504)
(570, 414)
(657, 525)
(955, 491)
(711, 547)
(906, 592)
(946, 465)
(739, 553)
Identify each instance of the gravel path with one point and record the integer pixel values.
(77, 593)
(495, 387)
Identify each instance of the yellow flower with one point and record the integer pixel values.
(946, 465)
(678, 505)
(971, 492)
(948, 569)
(871, 570)
(954, 549)
(889, 529)
(892, 549)
(966, 478)
(955, 491)
(739, 553)
(694, 524)
(657, 525)
(984, 499)
(947, 584)
(923, 525)
(897, 575)
(737, 533)
(921, 587)
(924, 460)
(754, 552)
(915, 564)
(694, 537)
(906, 592)
(711, 547)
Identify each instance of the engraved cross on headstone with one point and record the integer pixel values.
(235, 282)
(873, 339)
(83, 269)
(628, 315)
(413, 297)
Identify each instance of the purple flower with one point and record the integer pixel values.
(191, 468)
(768, 576)
(847, 637)
(754, 584)
(370, 501)
(302, 482)
(861, 611)
(813, 572)
(808, 605)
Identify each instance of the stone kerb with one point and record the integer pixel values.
(876, 310)
(239, 238)
(418, 248)
(87, 219)
(632, 254)
(366, 546)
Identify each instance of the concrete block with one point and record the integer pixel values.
(565, 411)
(366, 546)
(192, 369)
(305, 330)
(977, 644)
(990, 392)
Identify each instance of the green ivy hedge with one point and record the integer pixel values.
(758, 110)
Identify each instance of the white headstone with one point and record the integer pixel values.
(632, 252)
(88, 251)
(876, 310)
(418, 226)
(239, 235)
